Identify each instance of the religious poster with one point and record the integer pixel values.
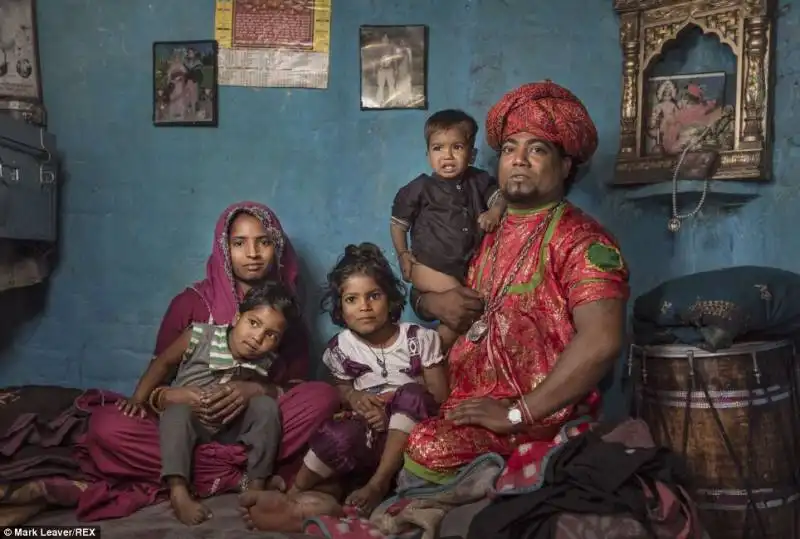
(185, 83)
(273, 43)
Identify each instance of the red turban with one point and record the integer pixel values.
(547, 111)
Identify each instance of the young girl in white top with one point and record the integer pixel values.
(391, 375)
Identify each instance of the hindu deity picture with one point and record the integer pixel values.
(185, 83)
(684, 109)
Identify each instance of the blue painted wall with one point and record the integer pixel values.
(140, 203)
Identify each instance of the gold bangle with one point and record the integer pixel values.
(155, 400)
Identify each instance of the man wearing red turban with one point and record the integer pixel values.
(543, 322)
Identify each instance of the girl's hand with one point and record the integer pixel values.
(363, 403)
(377, 420)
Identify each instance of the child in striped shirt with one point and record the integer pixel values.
(212, 358)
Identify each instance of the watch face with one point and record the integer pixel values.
(515, 416)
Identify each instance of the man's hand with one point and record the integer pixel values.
(457, 309)
(488, 413)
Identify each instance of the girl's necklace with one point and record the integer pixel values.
(381, 361)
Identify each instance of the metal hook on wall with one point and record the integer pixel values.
(46, 177)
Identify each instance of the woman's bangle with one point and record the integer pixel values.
(155, 400)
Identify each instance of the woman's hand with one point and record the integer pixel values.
(457, 309)
(488, 413)
(132, 408)
(193, 396)
(224, 403)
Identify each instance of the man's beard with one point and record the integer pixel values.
(519, 196)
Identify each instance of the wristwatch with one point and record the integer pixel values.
(514, 415)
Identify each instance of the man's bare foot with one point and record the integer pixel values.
(274, 511)
(367, 497)
(269, 510)
(293, 492)
(188, 510)
(256, 484)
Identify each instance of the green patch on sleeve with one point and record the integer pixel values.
(604, 257)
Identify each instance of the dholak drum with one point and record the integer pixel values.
(734, 415)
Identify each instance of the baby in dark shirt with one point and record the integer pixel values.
(446, 212)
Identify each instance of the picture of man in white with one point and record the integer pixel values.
(392, 73)
(386, 70)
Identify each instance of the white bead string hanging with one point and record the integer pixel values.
(674, 223)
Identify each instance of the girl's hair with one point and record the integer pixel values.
(274, 295)
(365, 259)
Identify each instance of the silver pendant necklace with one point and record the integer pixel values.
(381, 362)
(480, 327)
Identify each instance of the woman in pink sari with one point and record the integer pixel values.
(122, 453)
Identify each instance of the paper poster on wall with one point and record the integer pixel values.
(273, 43)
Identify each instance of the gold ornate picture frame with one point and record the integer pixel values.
(746, 26)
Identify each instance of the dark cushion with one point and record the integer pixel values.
(712, 309)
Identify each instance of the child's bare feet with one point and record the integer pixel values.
(367, 497)
(188, 510)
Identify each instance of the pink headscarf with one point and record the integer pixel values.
(218, 289)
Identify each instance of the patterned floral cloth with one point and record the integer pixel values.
(416, 512)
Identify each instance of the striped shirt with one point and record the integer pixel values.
(208, 359)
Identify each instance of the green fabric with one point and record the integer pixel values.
(604, 257)
(439, 478)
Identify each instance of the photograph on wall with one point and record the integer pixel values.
(185, 83)
(394, 65)
(19, 55)
(683, 109)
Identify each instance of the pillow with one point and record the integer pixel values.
(712, 309)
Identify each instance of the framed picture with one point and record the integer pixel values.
(185, 83)
(394, 67)
(20, 78)
(683, 108)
